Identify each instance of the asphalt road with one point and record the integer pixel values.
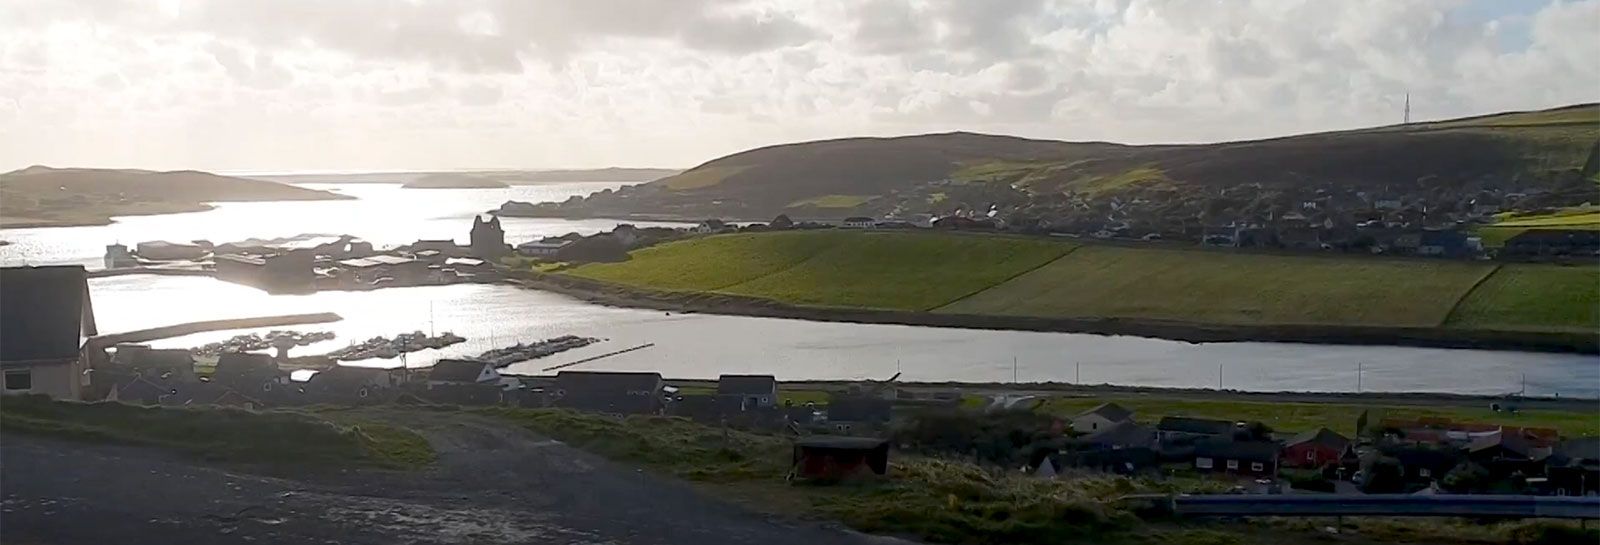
(492, 484)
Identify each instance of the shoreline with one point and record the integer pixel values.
(710, 303)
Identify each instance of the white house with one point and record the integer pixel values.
(859, 222)
(45, 315)
(1100, 418)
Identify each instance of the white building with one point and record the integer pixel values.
(1101, 418)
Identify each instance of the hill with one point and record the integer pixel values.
(936, 173)
(1043, 283)
(40, 196)
(510, 177)
(453, 180)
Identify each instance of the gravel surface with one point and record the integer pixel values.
(492, 484)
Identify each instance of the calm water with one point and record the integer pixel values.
(695, 346)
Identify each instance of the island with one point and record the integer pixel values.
(454, 180)
(41, 196)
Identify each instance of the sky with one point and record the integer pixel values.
(353, 85)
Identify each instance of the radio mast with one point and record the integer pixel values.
(1406, 120)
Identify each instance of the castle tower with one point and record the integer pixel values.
(488, 239)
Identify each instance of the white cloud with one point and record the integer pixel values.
(312, 84)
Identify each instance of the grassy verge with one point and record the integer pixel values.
(221, 434)
(1297, 417)
(1521, 297)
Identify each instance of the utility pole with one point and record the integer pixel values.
(430, 319)
(1013, 369)
(1077, 374)
(1406, 120)
(1219, 377)
(1358, 376)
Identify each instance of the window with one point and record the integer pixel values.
(1202, 463)
(21, 379)
(1424, 473)
(1233, 464)
(1257, 466)
(1311, 456)
(1094, 425)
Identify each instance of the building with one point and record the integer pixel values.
(453, 371)
(1574, 467)
(45, 315)
(1243, 457)
(1546, 243)
(542, 248)
(752, 391)
(1102, 417)
(609, 392)
(488, 239)
(859, 222)
(1124, 434)
(1180, 428)
(848, 413)
(830, 457)
(1317, 448)
(117, 257)
(286, 272)
(349, 380)
(711, 226)
(781, 222)
(141, 391)
(166, 364)
(247, 372)
(1505, 452)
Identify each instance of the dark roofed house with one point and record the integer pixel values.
(1229, 456)
(1101, 417)
(45, 313)
(1316, 448)
(753, 391)
(456, 371)
(845, 413)
(1124, 434)
(859, 222)
(349, 380)
(1574, 466)
(1504, 452)
(141, 391)
(609, 392)
(247, 372)
(175, 364)
(1180, 428)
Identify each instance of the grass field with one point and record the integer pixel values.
(901, 271)
(709, 263)
(833, 201)
(702, 177)
(1578, 217)
(233, 435)
(1298, 417)
(1213, 287)
(1533, 297)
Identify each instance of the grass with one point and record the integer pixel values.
(1213, 287)
(708, 263)
(222, 434)
(1144, 176)
(1510, 225)
(900, 271)
(672, 445)
(702, 177)
(1518, 297)
(833, 201)
(1298, 417)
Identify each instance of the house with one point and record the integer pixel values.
(848, 412)
(1242, 457)
(962, 224)
(1101, 417)
(611, 392)
(1444, 244)
(1173, 429)
(247, 372)
(542, 248)
(711, 226)
(454, 372)
(349, 380)
(832, 457)
(859, 222)
(781, 222)
(174, 364)
(1574, 467)
(1124, 434)
(45, 314)
(117, 256)
(1424, 464)
(752, 391)
(1317, 448)
(141, 391)
(1505, 452)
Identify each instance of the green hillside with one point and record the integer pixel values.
(1036, 277)
(1213, 287)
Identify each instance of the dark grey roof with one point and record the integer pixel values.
(1124, 434)
(859, 409)
(1582, 448)
(839, 442)
(609, 392)
(1200, 426)
(244, 370)
(140, 390)
(1320, 436)
(858, 219)
(1253, 451)
(43, 312)
(1511, 442)
(162, 358)
(1109, 411)
(746, 384)
(451, 370)
(349, 377)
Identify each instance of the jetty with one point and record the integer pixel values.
(385, 348)
(501, 357)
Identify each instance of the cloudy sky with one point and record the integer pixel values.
(285, 85)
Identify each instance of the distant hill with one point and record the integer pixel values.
(40, 196)
(511, 177)
(454, 180)
(876, 175)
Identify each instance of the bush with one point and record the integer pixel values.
(1005, 438)
(1546, 533)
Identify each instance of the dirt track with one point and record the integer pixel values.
(492, 484)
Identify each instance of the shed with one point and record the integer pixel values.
(753, 391)
(1315, 449)
(831, 457)
(609, 391)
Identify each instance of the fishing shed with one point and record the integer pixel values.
(835, 457)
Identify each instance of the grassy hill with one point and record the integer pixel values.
(1008, 276)
(42, 196)
(1521, 148)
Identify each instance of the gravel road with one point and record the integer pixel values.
(492, 484)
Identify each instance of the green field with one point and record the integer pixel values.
(1519, 297)
(709, 263)
(901, 271)
(1036, 277)
(1298, 417)
(1213, 287)
(1577, 217)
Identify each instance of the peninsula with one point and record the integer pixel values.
(40, 196)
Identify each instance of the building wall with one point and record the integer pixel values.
(1091, 423)
(59, 381)
(1309, 456)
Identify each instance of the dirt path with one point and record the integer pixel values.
(492, 484)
